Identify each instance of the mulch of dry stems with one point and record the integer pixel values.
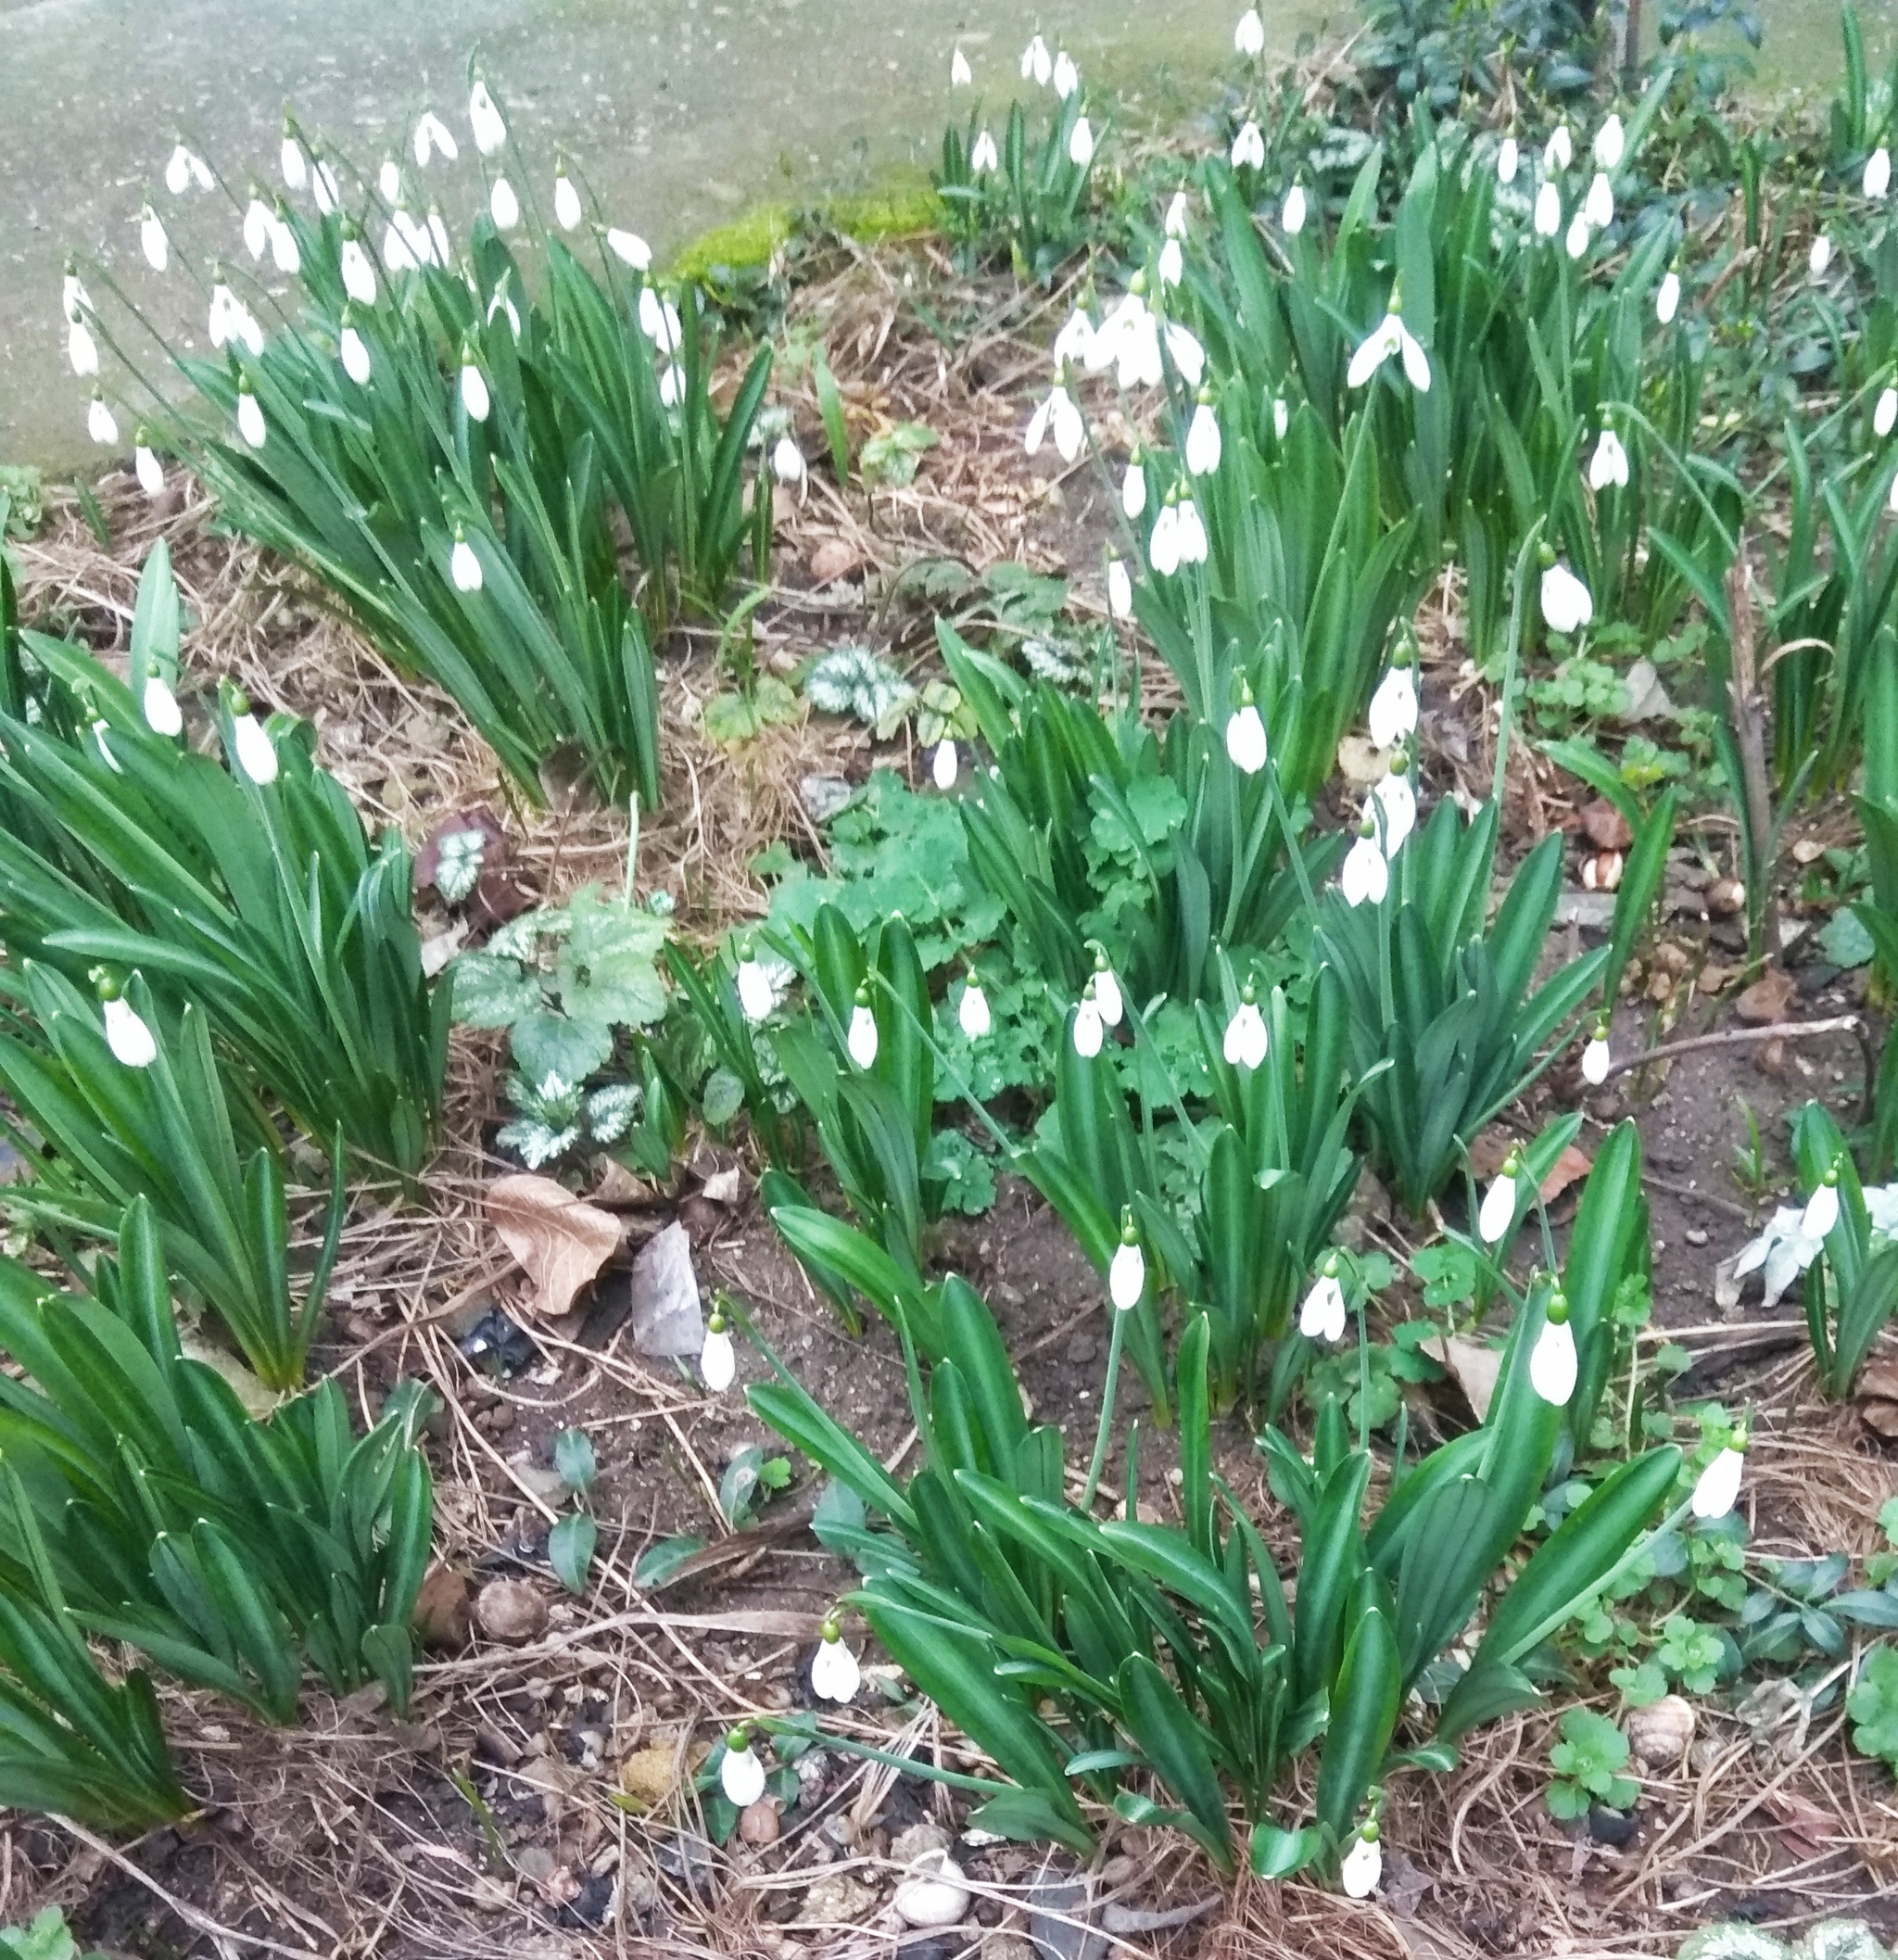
(346, 1835)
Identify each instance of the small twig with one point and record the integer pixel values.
(1776, 1031)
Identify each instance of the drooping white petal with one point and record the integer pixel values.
(257, 227)
(465, 567)
(130, 1040)
(960, 74)
(1508, 162)
(484, 118)
(1552, 1364)
(257, 754)
(1248, 148)
(162, 714)
(1820, 259)
(1598, 207)
(1362, 1868)
(1193, 539)
(1566, 605)
(1548, 211)
(1173, 262)
(1281, 417)
(1174, 225)
(149, 471)
(101, 425)
(1119, 589)
(1075, 341)
(1066, 77)
(1668, 298)
(285, 253)
(1107, 997)
(1498, 1212)
(835, 1675)
(566, 203)
(755, 995)
(1248, 37)
(1595, 1061)
(503, 207)
(1397, 805)
(1203, 441)
(1364, 874)
(290, 157)
(1246, 1041)
(1185, 352)
(388, 180)
(1163, 544)
(1292, 218)
(359, 276)
(178, 170)
(943, 766)
(1126, 1276)
(1134, 490)
(717, 1362)
(152, 240)
(1558, 152)
(1878, 173)
(1393, 713)
(1611, 144)
(787, 461)
(1088, 1031)
(81, 350)
(1718, 1486)
(862, 1039)
(355, 356)
(1080, 143)
(1322, 1315)
(1885, 416)
(629, 247)
(1383, 340)
(972, 1012)
(324, 188)
(1416, 362)
(1821, 1211)
(741, 1776)
(1245, 742)
(474, 396)
(1579, 234)
(250, 424)
(1608, 465)
(983, 158)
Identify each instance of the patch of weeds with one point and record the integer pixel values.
(889, 459)
(1589, 1762)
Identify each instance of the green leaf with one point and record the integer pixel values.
(1844, 940)
(570, 1549)
(573, 1456)
(722, 1097)
(660, 1560)
(492, 992)
(548, 1043)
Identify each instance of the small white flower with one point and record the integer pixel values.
(503, 207)
(1579, 236)
(1245, 1041)
(1668, 298)
(257, 227)
(1609, 463)
(1508, 162)
(1248, 148)
(1820, 258)
(1246, 743)
(1821, 1211)
(1292, 218)
(629, 247)
(465, 567)
(983, 157)
(1595, 1060)
(1363, 1867)
(672, 386)
(323, 187)
(1365, 874)
(1185, 352)
(787, 461)
(1174, 225)
(1558, 152)
(1498, 1208)
(438, 238)
(1057, 414)
(355, 355)
(1397, 806)
(1719, 1484)
(943, 767)
(284, 254)
(862, 1039)
(1281, 417)
(1080, 143)
(81, 350)
(256, 754)
(1163, 543)
(128, 1037)
(388, 180)
(1134, 489)
(1173, 262)
(1552, 1364)
(1037, 64)
(490, 132)
(972, 1012)
(251, 420)
(1203, 441)
(359, 276)
(1611, 143)
(756, 996)
(1548, 211)
(152, 240)
(1248, 37)
(1598, 207)
(162, 714)
(566, 202)
(718, 1358)
(1565, 601)
(1107, 995)
(1878, 173)
(835, 1675)
(101, 425)
(398, 253)
(1322, 1316)
(1075, 341)
(1191, 534)
(1390, 336)
(659, 321)
(1088, 1031)
(1393, 707)
(740, 1774)
(1066, 77)
(960, 74)
(149, 471)
(182, 169)
(433, 132)
(290, 157)
(1127, 1275)
(1119, 589)
(474, 396)
(1885, 416)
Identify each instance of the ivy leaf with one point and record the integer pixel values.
(493, 992)
(570, 1549)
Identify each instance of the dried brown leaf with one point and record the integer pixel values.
(560, 1241)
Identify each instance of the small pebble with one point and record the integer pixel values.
(1695, 1236)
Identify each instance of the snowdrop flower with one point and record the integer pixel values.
(1246, 1041)
(672, 386)
(1396, 803)
(291, 160)
(1578, 235)
(81, 350)
(474, 396)
(566, 200)
(1127, 1270)
(1058, 414)
(437, 234)
(1203, 439)
(464, 568)
(1363, 1865)
(1248, 37)
(629, 248)
(1174, 225)
(1129, 336)
(1552, 1360)
(1248, 148)
(257, 754)
(1191, 534)
(1878, 173)
(960, 74)
(983, 158)
(353, 352)
(1565, 601)
(659, 320)
(1599, 205)
(490, 132)
(1498, 1208)
(162, 715)
(1185, 352)
(1107, 991)
(1610, 144)
(323, 187)
(359, 276)
(398, 253)
(257, 227)
(1037, 65)
(503, 207)
(1246, 744)
(1133, 487)
(1390, 336)
(388, 180)
(222, 301)
(1820, 258)
(862, 1038)
(1718, 1485)
(148, 468)
(1075, 341)
(1393, 707)
(1821, 1211)
(756, 996)
(787, 461)
(1548, 218)
(284, 254)
(1609, 463)
(1885, 416)
(1173, 262)
(1080, 143)
(943, 766)
(1560, 150)
(432, 133)
(835, 1675)
(152, 240)
(1088, 1030)
(718, 1358)
(1066, 76)
(1365, 872)
(249, 416)
(1595, 1057)
(1508, 162)
(972, 1010)
(1668, 298)
(740, 1774)
(1281, 417)
(1292, 218)
(101, 425)
(126, 1034)
(1119, 589)
(184, 168)
(1163, 544)
(1322, 1316)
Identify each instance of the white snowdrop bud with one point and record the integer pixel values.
(490, 132)
(566, 202)
(130, 1040)
(943, 767)
(503, 207)
(1499, 1208)
(256, 754)
(718, 1358)
(1717, 1488)
(465, 567)
(835, 1675)
(474, 397)
(1127, 1270)
(740, 1774)
(1552, 1364)
(972, 1011)
(861, 1037)
(162, 714)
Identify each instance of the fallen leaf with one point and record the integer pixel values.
(1571, 1165)
(1877, 1398)
(831, 559)
(1767, 999)
(560, 1241)
(723, 1187)
(1806, 1827)
(647, 1777)
(1488, 1150)
(617, 1185)
(758, 1824)
(1476, 1367)
(1714, 978)
(441, 1610)
(1361, 761)
(1606, 827)
(257, 1400)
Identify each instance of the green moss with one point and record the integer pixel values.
(894, 210)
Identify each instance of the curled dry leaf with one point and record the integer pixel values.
(1767, 999)
(1570, 1168)
(1476, 1367)
(560, 1241)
